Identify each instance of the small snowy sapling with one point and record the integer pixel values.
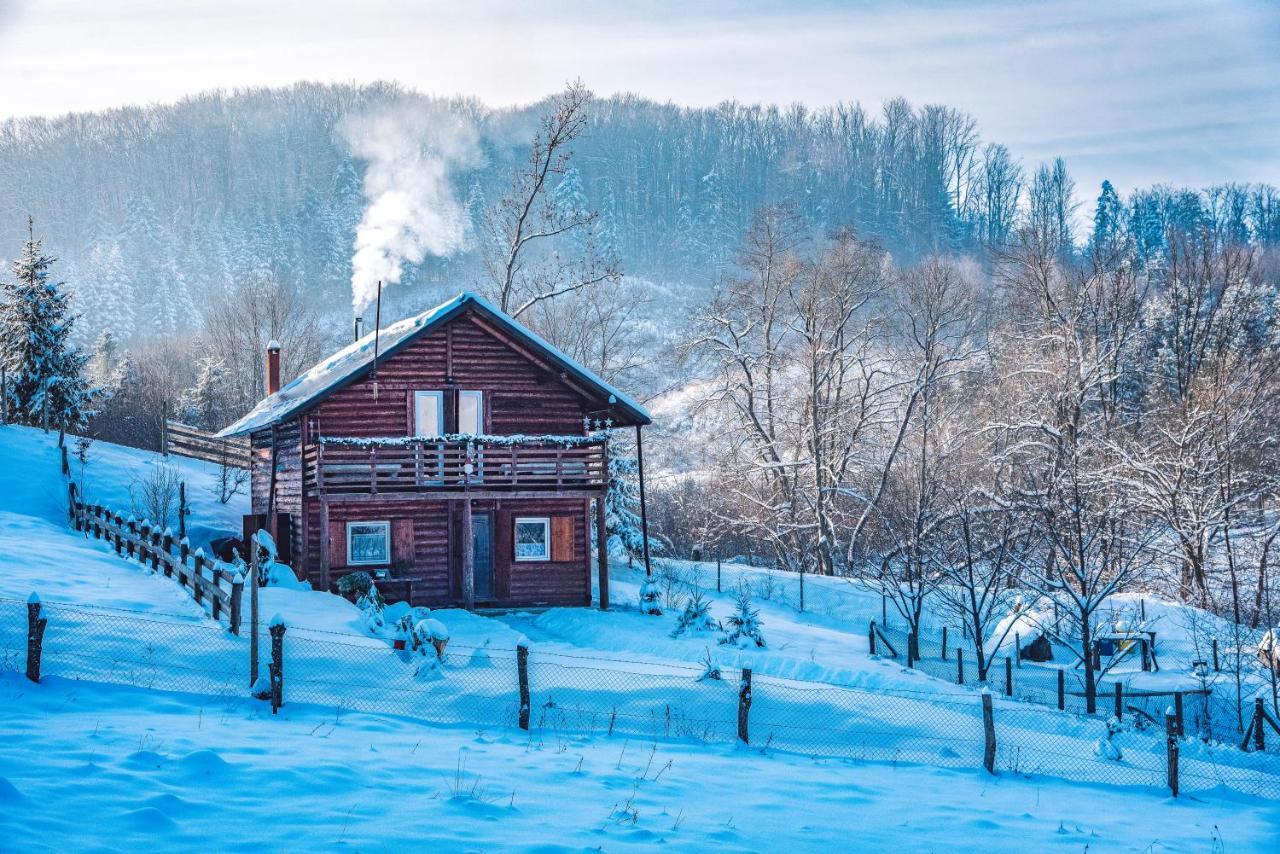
(650, 598)
(742, 628)
(696, 617)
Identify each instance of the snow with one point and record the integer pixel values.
(349, 362)
(86, 760)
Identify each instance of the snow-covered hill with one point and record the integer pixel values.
(140, 731)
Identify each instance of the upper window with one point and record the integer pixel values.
(428, 413)
(471, 412)
(368, 543)
(533, 538)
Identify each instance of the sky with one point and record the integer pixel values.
(1137, 91)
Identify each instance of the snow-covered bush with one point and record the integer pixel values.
(371, 607)
(430, 637)
(650, 598)
(742, 628)
(696, 617)
(1106, 748)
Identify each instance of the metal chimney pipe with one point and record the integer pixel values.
(273, 366)
(358, 327)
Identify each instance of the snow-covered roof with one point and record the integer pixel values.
(349, 363)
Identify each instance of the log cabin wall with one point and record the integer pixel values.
(520, 395)
(426, 538)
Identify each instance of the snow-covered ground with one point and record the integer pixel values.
(101, 762)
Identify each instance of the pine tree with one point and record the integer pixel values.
(45, 385)
(621, 501)
(204, 402)
(1108, 222)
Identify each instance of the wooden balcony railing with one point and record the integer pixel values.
(338, 467)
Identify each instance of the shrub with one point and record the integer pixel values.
(354, 585)
(742, 627)
(696, 617)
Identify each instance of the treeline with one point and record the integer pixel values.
(155, 211)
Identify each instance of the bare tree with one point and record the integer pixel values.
(522, 256)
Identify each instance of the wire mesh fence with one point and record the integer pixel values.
(572, 695)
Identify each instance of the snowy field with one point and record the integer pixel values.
(102, 763)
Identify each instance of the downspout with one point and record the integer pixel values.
(644, 515)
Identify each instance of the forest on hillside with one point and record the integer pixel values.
(156, 212)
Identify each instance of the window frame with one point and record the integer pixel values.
(545, 522)
(439, 398)
(479, 396)
(386, 529)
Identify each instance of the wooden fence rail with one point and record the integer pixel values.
(187, 441)
(208, 579)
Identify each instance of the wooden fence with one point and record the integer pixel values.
(187, 441)
(208, 579)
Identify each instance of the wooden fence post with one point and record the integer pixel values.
(71, 506)
(1119, 701)
(1259, 724)
(744, 705)
(1171, 749)
(522, 666)
(182, 510)
(119, 539)
(944, 644)
(35, 636)
(1062, 690)
(1008, 677)
(276, 668)
(66, 464)
(871, 638)
(132, 527)
(989, 729)
(166, 549)
(237, 591)
(959, 665)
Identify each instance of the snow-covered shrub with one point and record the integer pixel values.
(1106, 748)
(353, 585)
(696, 617)
(650, 597)
(405, 621)
(430, 637)
(371, 607)
(742, 628)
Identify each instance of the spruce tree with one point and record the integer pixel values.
(44, 385)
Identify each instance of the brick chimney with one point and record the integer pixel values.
(273, 366)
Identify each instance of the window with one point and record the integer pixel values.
(471, 412)
(428, 413)
(368, 543)
(533, 538)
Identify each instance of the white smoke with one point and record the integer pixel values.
(410, 149)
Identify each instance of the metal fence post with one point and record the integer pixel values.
(871, 638)
(1062, 690)
(744, 705)
(1259, 724)
(276, 668)
(1119, 701)
(1171, 748)
(989, 730)
(943, 656)
(959, 665)
(1008, 677)
(35, 636)
(522, 665)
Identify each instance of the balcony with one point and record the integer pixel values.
(443, 468)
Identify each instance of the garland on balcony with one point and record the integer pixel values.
(594, 438)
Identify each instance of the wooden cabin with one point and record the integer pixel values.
(455, 455)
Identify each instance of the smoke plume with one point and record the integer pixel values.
(410, 149)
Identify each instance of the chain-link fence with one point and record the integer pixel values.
(572, 695)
